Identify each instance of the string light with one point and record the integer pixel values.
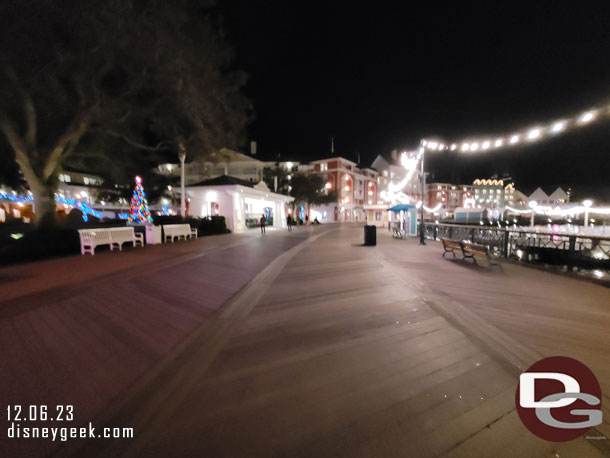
(535, 133)
(140, 212)
(16, 198)
(558, 126)
(82, 206)
(587, 117)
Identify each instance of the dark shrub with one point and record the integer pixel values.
(75, 219)
(38, 244)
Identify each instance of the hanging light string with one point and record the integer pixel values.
(490, 143)
(558, 211)
(533, 134)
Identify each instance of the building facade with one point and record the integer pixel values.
(449, 196)
(489, 193)
(240, 202)
(355, 188)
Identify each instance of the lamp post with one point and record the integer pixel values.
(532, 204)
(422, 226)
(182, 156)
(587, 204)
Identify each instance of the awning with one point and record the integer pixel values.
(401, 207)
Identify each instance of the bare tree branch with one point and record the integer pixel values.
(20, 146)
(161, 146)
(30, 116)
(72, 135)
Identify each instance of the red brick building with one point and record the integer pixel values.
(355, 188)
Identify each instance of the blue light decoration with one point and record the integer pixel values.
(123, 215)
(82, 206)
(16, 198)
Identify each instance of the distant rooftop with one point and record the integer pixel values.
(224, 180)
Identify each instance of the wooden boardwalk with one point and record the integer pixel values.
(306, 345)
(82, 330)
(336, 356)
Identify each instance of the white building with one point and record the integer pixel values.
(391, 171)
(558, 197)
(539, 196)
(240, 202)
(228, 162)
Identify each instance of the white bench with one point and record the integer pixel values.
(91, 238)
(178, 231)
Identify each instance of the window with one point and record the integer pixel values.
(64, 177)
(324, 167)
(377, 216)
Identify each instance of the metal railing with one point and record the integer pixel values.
(506, 241)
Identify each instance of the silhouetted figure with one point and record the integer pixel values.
(263, 222)
(306, 219)
(289, 222)
(315, 221)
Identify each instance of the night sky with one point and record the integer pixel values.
(379, 78)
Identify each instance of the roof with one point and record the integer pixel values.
(558, 193)
(223, 180)
(539, 193)
(401, 207)
(333, 158)
(229, 155)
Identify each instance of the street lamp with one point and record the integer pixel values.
(587, 204)
(182, 156)
(532, 204)
(422, 226)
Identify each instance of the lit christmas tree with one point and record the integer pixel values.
(139, 206)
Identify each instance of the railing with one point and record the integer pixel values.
(507, 241)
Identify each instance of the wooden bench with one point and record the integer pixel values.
(472, 250)
(111, 236)
(398, 233)
(468, 250)
(173, 231)
(450, 246)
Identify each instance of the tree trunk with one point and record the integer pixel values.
(45, 207)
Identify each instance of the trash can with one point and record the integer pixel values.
(153, 234)
(370, 235)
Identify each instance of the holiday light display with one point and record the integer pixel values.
(140, 212)
(528, 135)
(16, 198)
(82, 206)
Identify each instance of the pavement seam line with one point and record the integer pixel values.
(240, 304)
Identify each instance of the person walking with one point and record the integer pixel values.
(289, 222)
(263, 221)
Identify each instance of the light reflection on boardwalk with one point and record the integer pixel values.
(350, 351)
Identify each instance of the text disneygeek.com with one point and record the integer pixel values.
(20, 419)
